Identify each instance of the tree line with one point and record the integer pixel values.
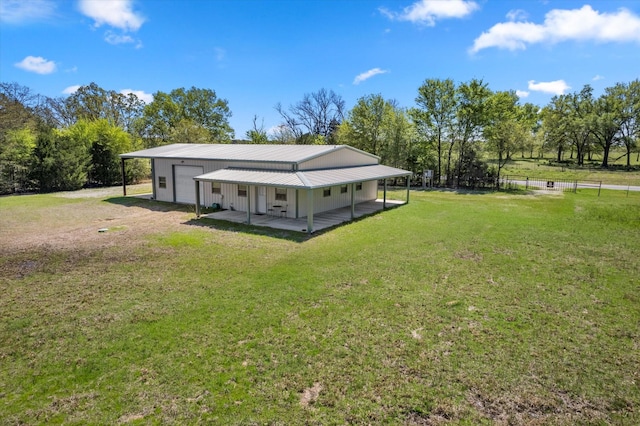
(65, 143)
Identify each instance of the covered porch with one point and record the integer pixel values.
(320, 220)
(308, 181)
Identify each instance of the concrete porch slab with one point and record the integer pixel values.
(320, 220)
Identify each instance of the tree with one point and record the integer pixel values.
(630, 122)
(435, 115)
(191, 109)
(503, 130)
(317, 114)
(366, 126)
(16, 150)
(93, 103)
(470, 121)
(607, 118)
(60, 163)
(257, 135)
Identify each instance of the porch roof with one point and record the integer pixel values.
(308, 179)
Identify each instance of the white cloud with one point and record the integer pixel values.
(427, 12)
(598, 77)
(517, 15)
(144, 97)
(522, 93)
(23, 11)
(37, 64)
(557, 87)
(112, 38)
(71, 89)
(368, 74)
(115, 13)
(562, 25)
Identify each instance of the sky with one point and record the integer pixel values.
(258, 53)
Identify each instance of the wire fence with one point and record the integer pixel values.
(550, 184)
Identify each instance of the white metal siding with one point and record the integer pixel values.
(164, 168)
(338, 158)
(337, 200)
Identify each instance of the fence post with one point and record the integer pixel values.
(599, 188)
(526, 186)
(575, 187)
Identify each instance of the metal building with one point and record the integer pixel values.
(291, 181)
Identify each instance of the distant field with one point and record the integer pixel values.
(617, 174)
(458, 308)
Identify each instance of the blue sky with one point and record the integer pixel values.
(258, 53)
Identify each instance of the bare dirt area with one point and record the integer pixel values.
(99, 218)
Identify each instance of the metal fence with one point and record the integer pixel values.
(511, 181)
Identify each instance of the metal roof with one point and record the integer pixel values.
(309, 179)
(240, 152)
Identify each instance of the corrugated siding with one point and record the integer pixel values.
(336, 200)
(164, 168)
(340, 157)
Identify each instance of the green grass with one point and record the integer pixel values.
(617, 174)
(466, 308)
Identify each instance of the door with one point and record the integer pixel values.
(261, 201)
(185, 187)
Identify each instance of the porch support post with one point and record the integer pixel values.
(408, 187)
(384, 197)
(310, 211)
(153, 179)
(197, 198)
(124, 182)
(353, 201)
(248, 204)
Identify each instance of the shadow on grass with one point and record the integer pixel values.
(149, 204)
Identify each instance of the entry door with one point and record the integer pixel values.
(261, 202)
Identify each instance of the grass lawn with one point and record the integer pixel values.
(617, 174)
(458, 308)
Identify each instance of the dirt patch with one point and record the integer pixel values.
(92, 225)
(537, 408)
(310, 395)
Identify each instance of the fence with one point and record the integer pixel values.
(551, 184)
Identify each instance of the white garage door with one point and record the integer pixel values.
(185, 185)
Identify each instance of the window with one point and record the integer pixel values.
(343, 189)
(326, 192)
(242, 190)
(162, 182)
(216, 188)
(359, 186)
(281, 194)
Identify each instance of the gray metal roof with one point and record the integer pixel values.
(303, 179)
(240, 152)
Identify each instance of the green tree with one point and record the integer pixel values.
(470, 120)
(504, 130)
(192, 110)
(60, 162)
(257, 135)
(366, 125)
(16, 150)
(630, 123)
(435, 115)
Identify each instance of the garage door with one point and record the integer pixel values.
(185, 185)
